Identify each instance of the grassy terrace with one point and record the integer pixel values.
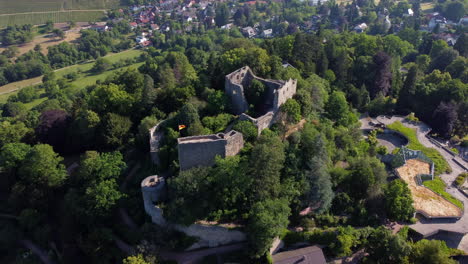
(438, 185)
(440, 164)
(85, 77)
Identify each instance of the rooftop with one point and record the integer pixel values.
(307, 255)
(206, 138)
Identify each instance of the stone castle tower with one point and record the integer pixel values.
(202, 150)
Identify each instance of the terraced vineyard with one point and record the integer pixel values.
(56, 17)
(26, 6)
(39, 11)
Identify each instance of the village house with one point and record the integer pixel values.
(360, 28)
(249, 32)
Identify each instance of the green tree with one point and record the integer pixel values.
(110, 98)
(96, 167)
(13, 154)
(266, 162)
(49, 26)
(462, 45)
(188, 196)
(454, 10)
(383, 247)
(43, 167)
(320, 194)
(116, 130)
(102, 197)
(12, 133)
(337, 108)
(248, 129)
(292, 109)
(101, 65)
(398, 201)
(267, 220)
(222, 14)
(138, 259)
(255, 94)
(367, 176)
(430, 252)
(59, 33)
(143, 130)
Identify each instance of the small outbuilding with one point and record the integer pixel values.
(307, 255)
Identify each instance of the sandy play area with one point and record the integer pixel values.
(424, 199)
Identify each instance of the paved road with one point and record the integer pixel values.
(427, 226)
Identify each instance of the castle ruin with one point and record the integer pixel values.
(201, 150)
(153, 190)
(278, 91)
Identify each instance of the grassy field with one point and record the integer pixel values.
(22, 6)
(85, 78)
(438, 185)
(55, 16)
(440, 164)
(427, 7)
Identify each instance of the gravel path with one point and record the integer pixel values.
(431, 226)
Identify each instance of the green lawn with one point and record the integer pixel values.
(438, 186)
(112, 58)
(85, 77)
(89, 79)
(440, 164)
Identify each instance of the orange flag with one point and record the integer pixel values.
(181, 127)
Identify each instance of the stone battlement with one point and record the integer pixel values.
(201, 150)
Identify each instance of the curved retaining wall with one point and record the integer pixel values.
(153, 190)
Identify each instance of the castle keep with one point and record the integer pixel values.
(277, 93)
(202, 150)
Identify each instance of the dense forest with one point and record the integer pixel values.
(65, 163)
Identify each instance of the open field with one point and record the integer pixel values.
(85, 78)
(440, 164)
(45, 41)
(55, 16)
(427, 7)
(424, 199)
(22, 6)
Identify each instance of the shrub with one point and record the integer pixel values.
(461, 179)
(411, 117)
(382, 150)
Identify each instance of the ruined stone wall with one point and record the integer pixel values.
(287, 91)
(202, 150)
(156, 136)
(235, 142)
(234, 88)
(262, 122)
(278, 92)
(153, 189)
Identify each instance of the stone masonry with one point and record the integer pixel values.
(278, 92)
(201, 150)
